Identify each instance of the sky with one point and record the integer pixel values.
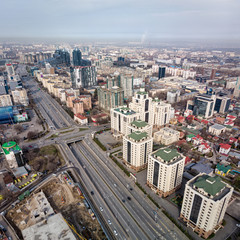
(103, 19)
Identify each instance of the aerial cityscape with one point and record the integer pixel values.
(120, 120)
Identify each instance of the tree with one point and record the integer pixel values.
(237, 182)
(95, 96)
(39, 121)
(18, 128)
(32, 135)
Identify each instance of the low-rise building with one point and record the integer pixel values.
(224, 148)
(204, 148)
(80, 119)
(87, 101)
(222, 170)
(5, 100)
(204, 203)
(136, 148)
(20, 96)
(165, 171)
(77, 106)
(166, 136)
(217, 129)
(190, 137)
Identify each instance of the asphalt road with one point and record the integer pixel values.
(128, 213)
(55, 116)
(124, 187)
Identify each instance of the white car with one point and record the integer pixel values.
(115, 232)
(109, 222)
(101, 209)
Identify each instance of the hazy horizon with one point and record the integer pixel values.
(143, 21)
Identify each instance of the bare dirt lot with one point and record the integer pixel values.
(65, 199)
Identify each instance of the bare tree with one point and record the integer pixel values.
(39, 121)
(32, 135)
(18, 128)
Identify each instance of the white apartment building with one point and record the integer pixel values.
(166, 136)
(161, 113)
(5, 100)
(136, 148)
(120, 118)
(142, 103)
(20, 96)
(204, 204)
(165, 171)
(141, 126)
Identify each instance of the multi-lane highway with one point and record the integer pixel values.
(50, 109)
(126, 211)
(135, 216)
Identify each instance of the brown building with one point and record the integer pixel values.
(78, 106)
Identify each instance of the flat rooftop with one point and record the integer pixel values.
(125, 110)
(218, 126)
(10, 146)
(213, 187)
(167, 154)
(54, 227)
(137, 136)
(139, 124)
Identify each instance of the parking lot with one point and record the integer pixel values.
(28, 126)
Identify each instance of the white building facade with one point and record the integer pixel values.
(142, 103)
(165, 171)
(141, 126)
(204, 204)
(120, 119)
(136, 148)
(166, 136)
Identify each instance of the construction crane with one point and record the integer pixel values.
(74, 230)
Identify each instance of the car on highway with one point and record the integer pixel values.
(115, 232)
(129, 198)
(123, 200)
(130, 189)
(109, 222)
(92, 193)
(3, 228)
(101, 209)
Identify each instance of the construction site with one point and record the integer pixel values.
(58, 199)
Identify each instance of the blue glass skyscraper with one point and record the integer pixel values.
(77, 57)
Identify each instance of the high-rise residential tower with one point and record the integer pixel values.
(165, 171)
(204, 203)
(136, 149)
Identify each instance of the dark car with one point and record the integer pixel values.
(123, 200)
(92, 193)
(130, 189)
(129, 198)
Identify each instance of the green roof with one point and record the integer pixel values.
(166, 154)
(211, 185)
(142, 93)
(137, 136)
(156, 100)
(139, 123)
(222, 168)
(10, 146)
(190, 136)
(125, 110)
